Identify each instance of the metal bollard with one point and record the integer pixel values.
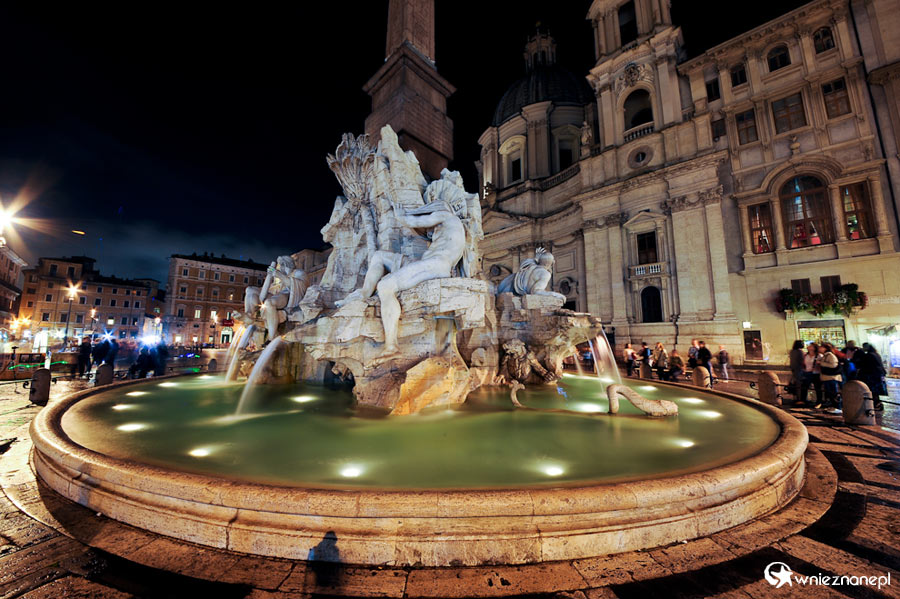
(40, 387)
(104, 375)
(213, 365)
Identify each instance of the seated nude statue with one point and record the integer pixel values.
(448, 242)
(281, 291)
(532, 277)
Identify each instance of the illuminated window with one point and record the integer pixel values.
(857, 210)
(110, 321)
(197, 312)
(760, 217)
(807, 217)
(837, 101)
(788, 113)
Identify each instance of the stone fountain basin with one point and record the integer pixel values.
(423, 528)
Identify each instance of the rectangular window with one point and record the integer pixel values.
(99, 289)
(215, 293)
(122, 334)
(746, 127)
(134, 322)
(788, 113)
(182, 290)
(712, 90)
(760, 216)
(646, 246)
(259, 280)
(53, 269)
(818, 331)
(837, 101)
(231, 278)
(753, 347)
(216, 276)
(184, 272)
(45, 317)
(738, 75)
(137, 304)
(126, 304)
(82, 300)
(111, 322)
(197, 313)
(857, 210)
(112, 302)
(213, 314)
(30, 304)
(202, 274)
(246, 280)
(800, 285)
(79, 318)
(115, 290)
(180, 312)
(515, 170)
(628, 30)
(830, 284)
(124, 320)
(31, 290)
(70, 272)
(718, 128)
(565, 158)
(63, 317)
(97, 301)
(48, 297)
(199, 291)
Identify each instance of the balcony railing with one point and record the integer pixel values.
(561, 176)
(640, 131)
(645, 270)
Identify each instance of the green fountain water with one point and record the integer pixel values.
(311, 436)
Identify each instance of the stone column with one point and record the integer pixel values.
(778, 223)
(617, 261)
(608, 116)
(885, 243)
(715, 231)
(840, 225)
(685, 253)
(669, 98)
(725, 83)
(745, 230)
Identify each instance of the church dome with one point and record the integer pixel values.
(540, 84)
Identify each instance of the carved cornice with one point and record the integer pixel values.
(704, 198)
(616, 220)
(886, 74)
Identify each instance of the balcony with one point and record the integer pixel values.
(648, 270)
(558, 178)
(639, 131)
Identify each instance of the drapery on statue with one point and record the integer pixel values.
(532, 277)
(280, 292)
(453, 234)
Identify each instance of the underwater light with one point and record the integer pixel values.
(647, 388)
(710, 414)
(123, 406)
(168, 384)
(606, 379)
(136, 393)
(132, 426)
(304, 398)
(684, 443)
(692, 400)
(200, 452)
(552, 470)
(351, 471)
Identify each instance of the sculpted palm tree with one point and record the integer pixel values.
(353, 163)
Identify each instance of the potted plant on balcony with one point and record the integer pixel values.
(846, 300)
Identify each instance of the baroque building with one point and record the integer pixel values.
(680, 196)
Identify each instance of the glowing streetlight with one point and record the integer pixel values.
(72, 292)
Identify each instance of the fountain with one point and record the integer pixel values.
(427, 462)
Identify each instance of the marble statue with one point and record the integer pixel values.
(532, 277)
(518, 363)
(280, 293)
(453, 234)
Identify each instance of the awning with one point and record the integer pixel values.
(885, 330)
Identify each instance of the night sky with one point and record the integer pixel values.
(159, 131)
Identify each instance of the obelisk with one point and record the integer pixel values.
(407, 92)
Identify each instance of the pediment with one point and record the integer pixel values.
(643, 218)
(492, 221)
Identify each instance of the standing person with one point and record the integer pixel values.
(143, 364)
(810, 375)
(628, 356)
(692, 353)
(723, 361)
(112, 353)
(84, 357)
(646, 357)
(660, 360)
(796, 362)
(162, 357)
(99, 352)
(830, 375)
(704, 358)
(676, 367)
(872, 372)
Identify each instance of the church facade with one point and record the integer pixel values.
(680, 197)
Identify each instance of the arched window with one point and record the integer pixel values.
(807, 216)
(651, 305)
(823, 40)
(638, 109)
(778, 57)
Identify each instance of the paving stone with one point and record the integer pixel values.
(691, 555)
(352, 581)
(38, 556)
(73, 587)
(620, 569)
(493, 581)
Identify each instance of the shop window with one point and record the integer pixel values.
(823, 40)
(807, 216)
(760, 216)
(651, 305)
(646, 247)
(778, 58)
(857, 210)
(837, 101)
(817, 331)
(746, 126)
(788, 113)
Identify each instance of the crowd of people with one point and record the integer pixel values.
(825, 369)
(670, 366)
(142, 360)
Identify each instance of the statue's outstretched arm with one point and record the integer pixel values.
(423, 221)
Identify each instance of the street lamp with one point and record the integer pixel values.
(72, 292)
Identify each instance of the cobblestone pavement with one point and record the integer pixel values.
(858, 535)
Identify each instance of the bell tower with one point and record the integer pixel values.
(407, 92)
